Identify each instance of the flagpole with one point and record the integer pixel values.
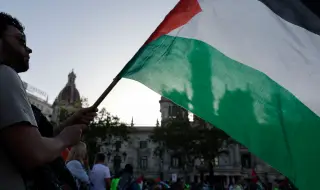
(111, 86)
(107, 91)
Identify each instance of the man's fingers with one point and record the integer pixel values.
(89, 109)
(91, 114)
(83, 126)
(87, 118)
(85, 121)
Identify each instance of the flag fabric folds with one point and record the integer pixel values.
(249, 67)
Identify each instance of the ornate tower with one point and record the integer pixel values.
(170, 110)
(67, 101)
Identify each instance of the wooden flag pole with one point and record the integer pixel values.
(111, 86)
(107, 91)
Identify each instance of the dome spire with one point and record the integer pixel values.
(71, 78)
(69, 95)
(132, 124)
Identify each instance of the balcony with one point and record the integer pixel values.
(228, 168)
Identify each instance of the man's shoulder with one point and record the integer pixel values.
(15, 107)
(101, 166)
(104, 166)
(8, 71)
(73, 162)
(9, 76)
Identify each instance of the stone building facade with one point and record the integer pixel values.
(139, 152)
(39, 99)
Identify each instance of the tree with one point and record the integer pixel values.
(187, 142)
(106, 130)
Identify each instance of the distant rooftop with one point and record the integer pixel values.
(35, 92)
(143, 129)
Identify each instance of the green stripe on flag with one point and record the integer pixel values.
(245, 103)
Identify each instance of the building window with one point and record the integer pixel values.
(175, 162)
(143, 144)
(173, 111)
(170, 110)
(144, 162)
(246, 160)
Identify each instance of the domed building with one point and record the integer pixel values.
(67, 101)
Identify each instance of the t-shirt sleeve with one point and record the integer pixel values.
(107, 173)
(14, 104)
(78, 171)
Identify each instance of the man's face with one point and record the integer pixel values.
(14, 49)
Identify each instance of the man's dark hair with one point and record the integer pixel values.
(100, 157)
(7, 20)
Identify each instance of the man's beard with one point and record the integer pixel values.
(14, 58)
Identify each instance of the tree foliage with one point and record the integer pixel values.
(106, 130)
(188, 142)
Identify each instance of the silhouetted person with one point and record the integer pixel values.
(127, 181)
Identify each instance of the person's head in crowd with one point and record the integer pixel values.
(128, 168)
(100, 157)
(78, 152)
(14, 51)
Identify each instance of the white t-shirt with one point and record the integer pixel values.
(14, 108)
(98, 175)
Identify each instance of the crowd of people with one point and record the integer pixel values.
(99, 177)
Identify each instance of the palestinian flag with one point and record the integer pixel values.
(255, 179)
(140, 182)
(249, 67)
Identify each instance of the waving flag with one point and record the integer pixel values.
(249, 67)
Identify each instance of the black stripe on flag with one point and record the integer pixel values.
(313, 5)
(297, 12)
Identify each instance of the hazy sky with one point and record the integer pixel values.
(96, 39)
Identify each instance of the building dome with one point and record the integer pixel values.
(69, 94)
